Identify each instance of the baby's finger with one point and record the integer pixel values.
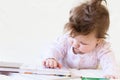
(44, 63)
(111, 77)
(55, 64)
(59, 65)
(51, 64)
(47, 63)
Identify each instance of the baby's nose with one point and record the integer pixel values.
(77, 46)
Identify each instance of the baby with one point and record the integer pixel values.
(83, 46)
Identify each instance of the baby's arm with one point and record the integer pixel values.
(108, 62)
(109, 66)
(55, 53)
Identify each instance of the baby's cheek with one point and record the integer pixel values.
(86, 49)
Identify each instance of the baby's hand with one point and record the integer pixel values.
(111, 77)
(51, 63)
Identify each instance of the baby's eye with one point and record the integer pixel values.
(83, 43)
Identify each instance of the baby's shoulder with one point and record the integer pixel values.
(103, 47)
(104, 44)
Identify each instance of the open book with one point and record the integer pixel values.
(35, 69)
(30, 69)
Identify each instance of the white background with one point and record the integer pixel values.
(27, 25)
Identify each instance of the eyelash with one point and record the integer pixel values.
(83, 43)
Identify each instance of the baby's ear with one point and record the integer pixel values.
(99, 41)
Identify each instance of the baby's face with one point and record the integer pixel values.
(84, 43)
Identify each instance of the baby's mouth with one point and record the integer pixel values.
(76, 51)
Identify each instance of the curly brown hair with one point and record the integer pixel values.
(89, 17)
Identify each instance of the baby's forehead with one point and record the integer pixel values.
(86, 38)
